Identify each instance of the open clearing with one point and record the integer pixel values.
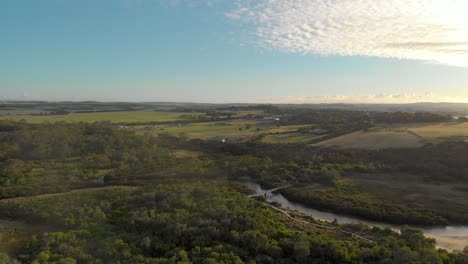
(401, 136)
(234, 128)
(209, 130)
(292, 137)
(115, 117)
(450, 243)
(440, 132)
(376, 140)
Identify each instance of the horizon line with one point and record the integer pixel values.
(224, 103)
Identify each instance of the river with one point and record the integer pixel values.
(458, 232)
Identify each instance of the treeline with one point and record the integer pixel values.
(336, 122)
(209, 116)
(408, 117)
(356, 118)
(270, 174)
(443, 162)
(196, 222)
(70, 140)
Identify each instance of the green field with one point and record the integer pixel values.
(115, 117)
(234, 128)
(208, 130)
(292, 137)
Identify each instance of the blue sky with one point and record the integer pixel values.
(230, 51)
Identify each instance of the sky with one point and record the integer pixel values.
(226, 51)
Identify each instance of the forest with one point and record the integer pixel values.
(195, 222)
(44, 158)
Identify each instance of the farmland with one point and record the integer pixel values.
(401, 136)
(240, 128)
(208, 130)
(378, 139)
(440, 132)
(292, 137)
(115, 117)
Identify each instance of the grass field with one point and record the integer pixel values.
(208, 130)
(401, 136)
(378, 139)
(244, 113)
(441, 132)
(116, 117)
(288, 138)
(235, 128)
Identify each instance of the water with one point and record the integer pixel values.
(453, 231)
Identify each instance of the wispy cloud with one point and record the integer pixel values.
(428, 30)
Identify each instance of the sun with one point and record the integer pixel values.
(452, 13)
(450, 41)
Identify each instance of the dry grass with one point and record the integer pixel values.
(285, 129)
(440, 132)
(401, 136)
(286, 138)
(183, 153)
(376, 140)
(450, 243)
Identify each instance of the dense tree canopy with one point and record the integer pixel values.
(194, 222)
(74, 155)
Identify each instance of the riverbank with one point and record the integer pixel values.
(451, 238)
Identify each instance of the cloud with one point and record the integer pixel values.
(429, 30)
(403, 98)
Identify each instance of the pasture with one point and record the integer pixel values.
(240, 128)
(435, 133)
(115, 117)
(292, 137)
(207, 130)
(378, 139)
